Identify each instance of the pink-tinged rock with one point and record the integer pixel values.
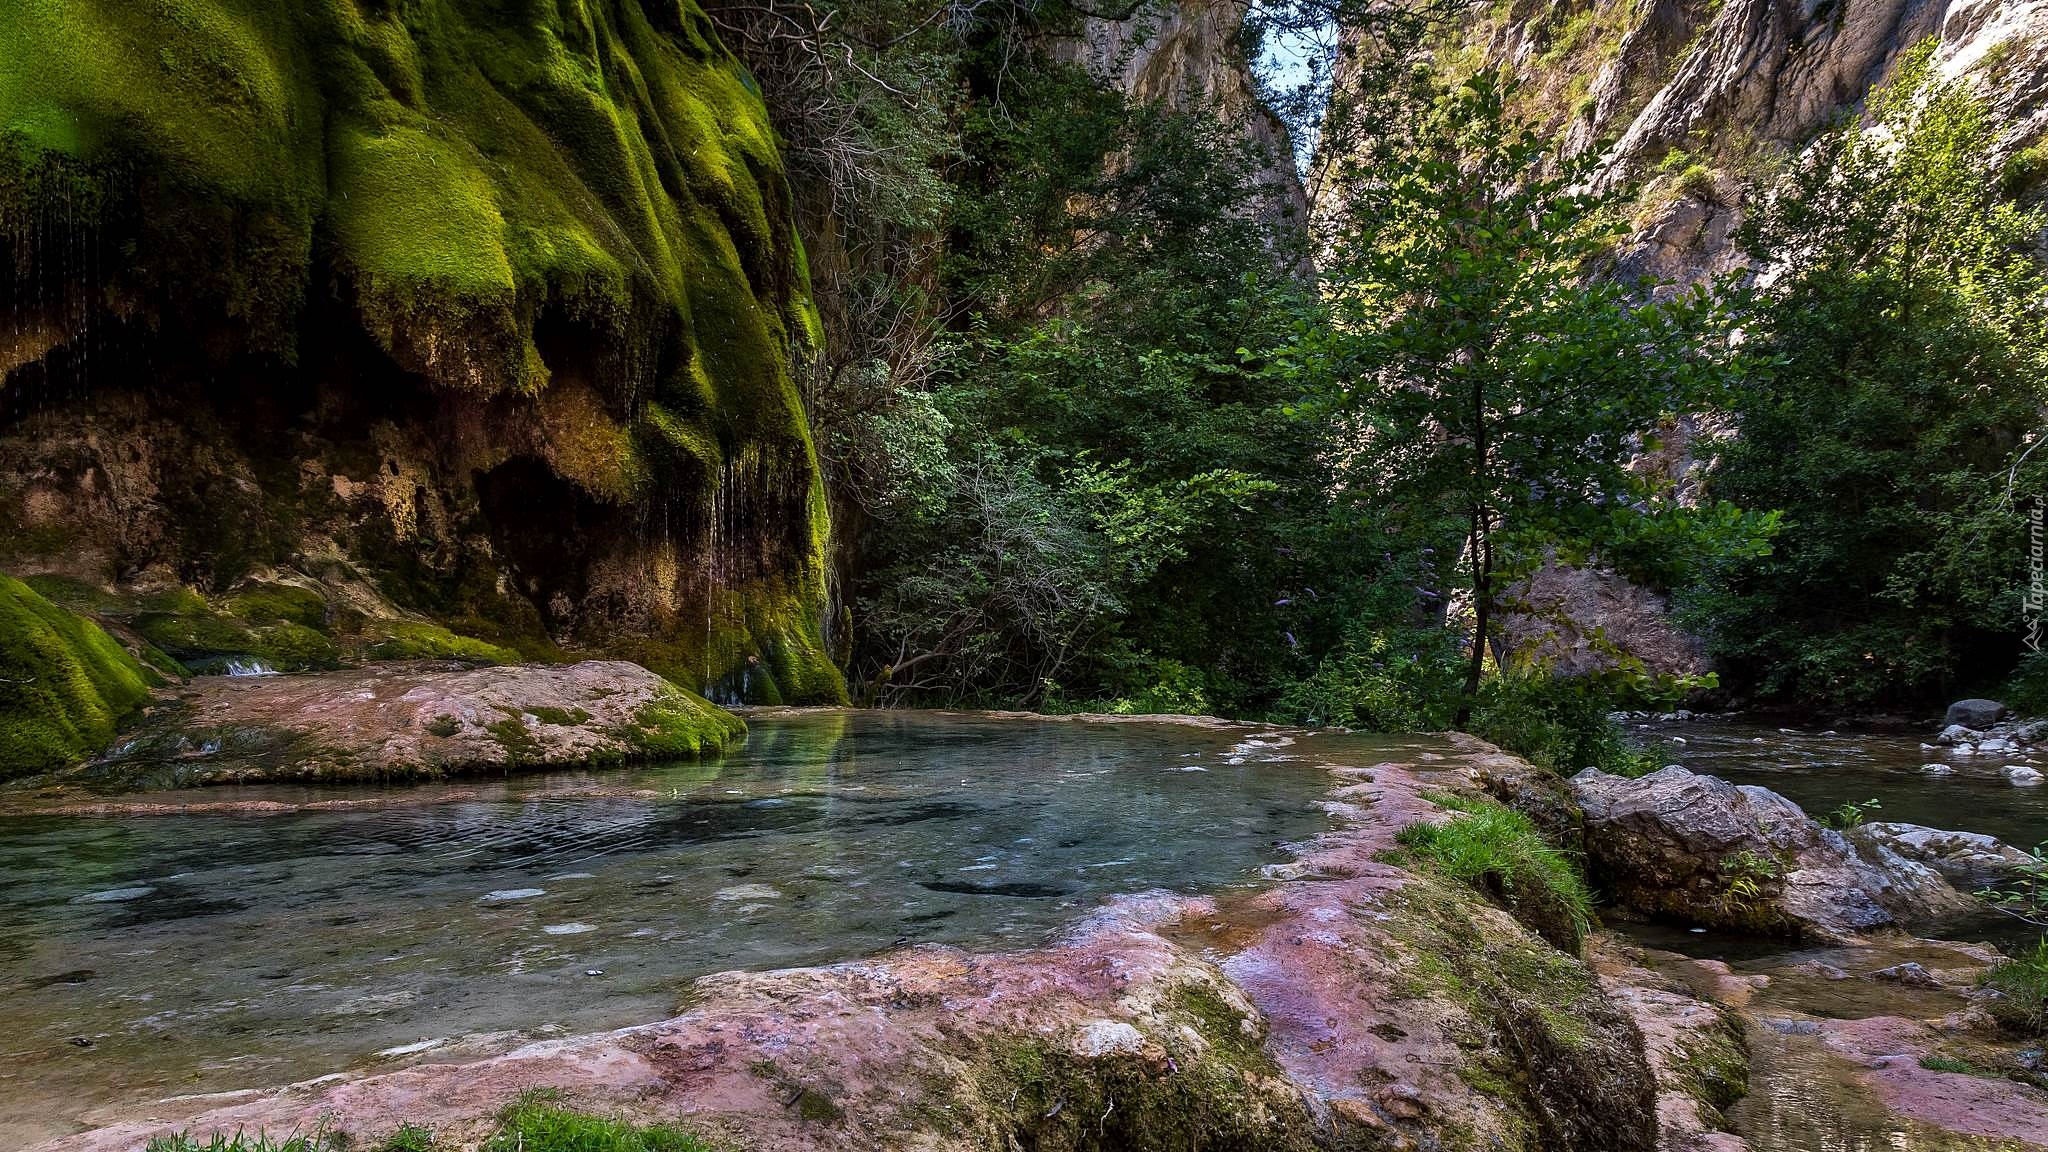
(415, 720)
(1355, 1000)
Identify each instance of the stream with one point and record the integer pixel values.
(227, 939)
(1802, 1097)
(195, 950)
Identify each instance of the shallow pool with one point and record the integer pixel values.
(249, 940)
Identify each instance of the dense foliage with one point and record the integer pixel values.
(1103, 435)
(1910, 324)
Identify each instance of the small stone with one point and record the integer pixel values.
(2022, 775)
(1402, 1101)
(1938, 769)
(1909, 974)
(1957, 734)
(1108, 1038)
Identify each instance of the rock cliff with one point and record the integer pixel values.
(1696, 97)
(390, 326)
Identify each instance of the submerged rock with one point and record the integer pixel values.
(417, 721)
(1675, 845)
(1968, 859)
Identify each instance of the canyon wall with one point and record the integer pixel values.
(407, 327)
(1696, 99)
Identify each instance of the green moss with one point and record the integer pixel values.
(443, 726)
(679, 724)
(1543, 1039)
(206, 641)
(414, 640)
(519, 745)
(280, 603)
(1218, 1094)
(64, 684)
(559, 717)
(1714, 1067)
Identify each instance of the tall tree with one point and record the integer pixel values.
(1492, 385)
(1911, 317)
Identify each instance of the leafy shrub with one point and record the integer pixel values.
(1556, 723)
(2021, 1006)
(1392, 680)
(1499, 851)
(2026, 690)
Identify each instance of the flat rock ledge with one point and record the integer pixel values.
(413, 721)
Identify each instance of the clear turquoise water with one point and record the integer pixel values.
(147, 955)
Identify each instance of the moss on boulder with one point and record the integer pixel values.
(64, 684)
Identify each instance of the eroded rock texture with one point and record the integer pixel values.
(1693, 849)
(451, 312)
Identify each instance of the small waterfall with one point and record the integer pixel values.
(250, 668)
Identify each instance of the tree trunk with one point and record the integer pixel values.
(1482, 613)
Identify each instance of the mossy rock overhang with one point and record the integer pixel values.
(567, 222)
(64, 684)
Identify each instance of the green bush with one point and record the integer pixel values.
(1499, 851)
(2021, 1006)
(64, 684)
(1557, 723)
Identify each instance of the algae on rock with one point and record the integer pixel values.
(64, 684)
(489, 307)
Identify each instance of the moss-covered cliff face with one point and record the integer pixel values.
(64, 683)
(477, 312)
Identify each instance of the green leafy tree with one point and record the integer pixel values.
(1491, 386)
(1910, 320)
(1104, 498)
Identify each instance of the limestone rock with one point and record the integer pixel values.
(1970, 860)
(416, 721)
(1563, 616)
(1696, 849)
(1975, 713)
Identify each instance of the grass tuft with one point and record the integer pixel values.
(2021, 1006)
(1499, 851)
(538, 1124)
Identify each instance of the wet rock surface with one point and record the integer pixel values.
(412, 721)
(1696, 849)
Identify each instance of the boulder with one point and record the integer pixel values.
(1675, 845)
(1969, 860)
(1976, 713)
(1957, 734)
(416, 721)
(2022, 775)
